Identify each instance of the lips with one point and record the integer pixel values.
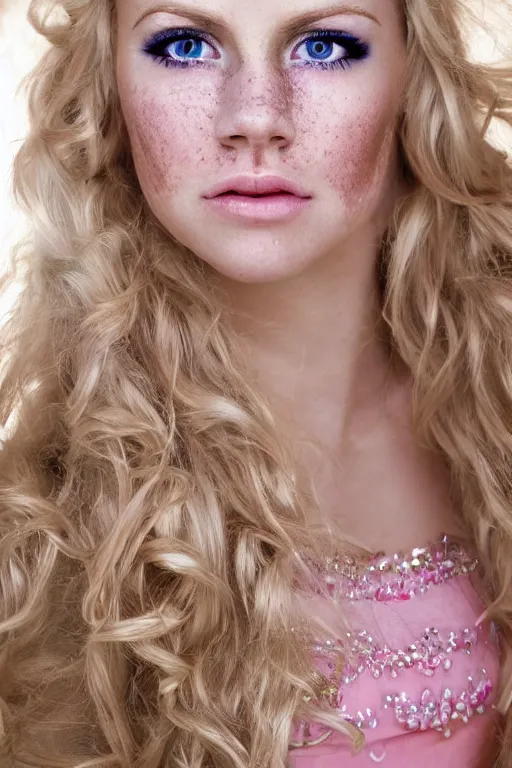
(257, 200)
(263, 194)
(256, 186)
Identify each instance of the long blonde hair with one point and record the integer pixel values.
(151, 522)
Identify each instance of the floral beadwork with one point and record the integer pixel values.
(439, 706)
(444, 711)
(398, 577)
(430, 651)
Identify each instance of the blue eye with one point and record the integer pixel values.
(180, 47)
(331, 49)
(189, 47)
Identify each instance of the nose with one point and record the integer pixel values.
(255, 113)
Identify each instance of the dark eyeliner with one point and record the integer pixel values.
(356, 48)
(350, 42)
(155, 47)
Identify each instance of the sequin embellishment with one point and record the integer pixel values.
(438, 706)
(398, 577)
(442, 712)
(432, 650)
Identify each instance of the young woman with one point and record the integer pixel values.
(256, 488)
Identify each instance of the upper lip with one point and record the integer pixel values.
(248, 184)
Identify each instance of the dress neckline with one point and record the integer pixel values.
(400, 576)
(448, 549)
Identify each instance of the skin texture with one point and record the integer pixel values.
(301, 293)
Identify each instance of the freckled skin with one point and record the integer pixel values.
(332, 131)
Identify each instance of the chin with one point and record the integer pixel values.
(256, 265)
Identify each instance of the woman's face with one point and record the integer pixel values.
(215, 90)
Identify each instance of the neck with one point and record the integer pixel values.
(316, 345)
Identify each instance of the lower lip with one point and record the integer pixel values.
(267, 208)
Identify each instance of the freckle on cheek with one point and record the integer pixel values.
(358, 153)
(152, 145)
(147, 149)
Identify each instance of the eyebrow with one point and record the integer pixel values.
(292, 27)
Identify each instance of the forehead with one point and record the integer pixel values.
(251, 14)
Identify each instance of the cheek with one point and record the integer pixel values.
(358, 154)
(347, 132)
(167, 133)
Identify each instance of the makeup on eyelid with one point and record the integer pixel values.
(189, 40)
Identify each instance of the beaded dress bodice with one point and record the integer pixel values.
(421, 675)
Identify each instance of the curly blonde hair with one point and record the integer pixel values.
(152, 524)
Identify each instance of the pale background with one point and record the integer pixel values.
(20, 48)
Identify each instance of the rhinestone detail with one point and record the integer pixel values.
(430, 651)
(397, 577)
(400, 577)
(444, 711)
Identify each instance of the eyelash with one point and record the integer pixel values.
(356, 48)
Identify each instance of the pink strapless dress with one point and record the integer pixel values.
(420, 681)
